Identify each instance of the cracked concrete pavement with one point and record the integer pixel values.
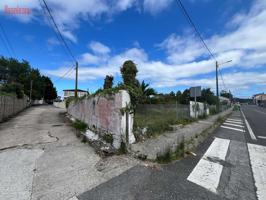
(41, 158)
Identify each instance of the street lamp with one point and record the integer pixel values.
(217, 87)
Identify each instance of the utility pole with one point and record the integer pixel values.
(31, 82)
(217, 88)
(217, 84)
(76, 82)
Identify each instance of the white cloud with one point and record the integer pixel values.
(186, 61)
(155, 6)
(68, 14)
(99, 48)
(88, 58)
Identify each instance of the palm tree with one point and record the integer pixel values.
(146, 91)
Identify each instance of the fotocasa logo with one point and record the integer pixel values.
(16, 10)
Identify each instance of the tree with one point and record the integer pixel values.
(49, 90)
(172, 94)
(129, 72)
(178, 95)
(185, 97)
(208, 96)
(225, 94)
(146, 91)
(17, 77)
(108, 82)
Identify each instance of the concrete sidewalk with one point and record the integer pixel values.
(191, 135)
(41, 158)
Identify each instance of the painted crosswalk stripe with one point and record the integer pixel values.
(231, 124)
(262, 137)
(207, 173)
(258, 164)
(235, 129)
(251, 133)
(229, 121)
(237, 120)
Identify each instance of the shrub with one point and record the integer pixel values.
(108, 82)
(129, 72)
(108, 138)
(69, 100)
(123, 148)
(79, 125)
(164, 158)
(213, 111)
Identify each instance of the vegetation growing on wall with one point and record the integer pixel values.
(108, 82)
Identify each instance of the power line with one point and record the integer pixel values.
(70, 71)
(60, 35)
(189, 19)
(4, 42)
(8, 43)
(223, 80)
(46, 15)
(185, 13)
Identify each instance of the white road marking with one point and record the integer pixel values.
(235, 129)
(73, 198)
(229, 121)
(237, 120)
(251, 133)
(236, 125)
(261, 137)
(206, 173)
(258, 164)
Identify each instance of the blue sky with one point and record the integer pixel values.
(153, 33)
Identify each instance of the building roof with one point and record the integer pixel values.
(73, 90)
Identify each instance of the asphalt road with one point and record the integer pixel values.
(256, 117)
(227, 165)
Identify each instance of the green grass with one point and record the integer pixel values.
(7, 94)
(123, 148)
(157, 121)
(108, 138)
(79, 125)
(169, 155)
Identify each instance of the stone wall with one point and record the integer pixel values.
(104, 115)
(11, 105)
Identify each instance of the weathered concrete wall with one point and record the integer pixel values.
(11, 105)
(104, 115)
(198, 110)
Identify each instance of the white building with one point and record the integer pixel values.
(71, 93)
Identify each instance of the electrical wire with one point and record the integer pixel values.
(190, 21)
(70, 71)
(60, 35)
(223, 80)
(185, 13)
(46, 15)
(4, 42)
(8, 43)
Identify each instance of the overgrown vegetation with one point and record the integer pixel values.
(69, 100)
(108, 82)
(169, 155)
(79, 125)
(156, 121)
(16, 77)
(108, 138)
(123, 148)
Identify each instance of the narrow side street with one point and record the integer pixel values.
(41, 158)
